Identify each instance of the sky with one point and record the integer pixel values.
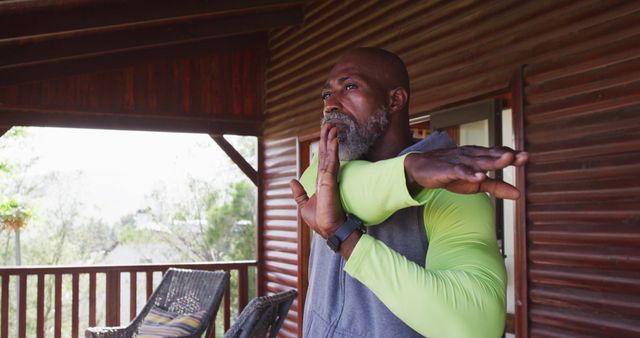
(119, 168)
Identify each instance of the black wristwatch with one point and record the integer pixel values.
(352, 224)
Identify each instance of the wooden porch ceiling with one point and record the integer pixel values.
(145, 51)
(42, 35)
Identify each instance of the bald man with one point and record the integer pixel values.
(428, 263)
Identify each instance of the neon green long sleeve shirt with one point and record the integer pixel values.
(461, 290)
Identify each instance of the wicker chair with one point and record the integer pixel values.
(262, 315)
(181, 291)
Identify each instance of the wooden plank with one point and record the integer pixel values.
(227, 308)
(113, 298)
(582, 324)
(260, 244)
(242, 288)
(571, 298)
(4, 331)
(76, 44)
(618, 235)
(92, 299)
(75, 293)
(22, 306)
(236, 157)
(133, 294)
(74, 119)
(4, 130)
(40, 319)
(520, 240)
(604, 257)
(57, 326)
(149, 281)
(27, 18)
(115, 59)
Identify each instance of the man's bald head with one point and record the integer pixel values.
(366, 96)
(385, 67)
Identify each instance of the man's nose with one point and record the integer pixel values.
(332, 104)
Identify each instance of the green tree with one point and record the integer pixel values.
(232, 225)
(14, 187)
(13, 216)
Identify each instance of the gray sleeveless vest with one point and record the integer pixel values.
(338, 305)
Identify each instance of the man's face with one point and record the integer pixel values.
(354, 103)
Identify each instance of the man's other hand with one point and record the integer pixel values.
(323, 211)
(463, 170)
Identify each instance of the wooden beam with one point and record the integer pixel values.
(4, 130)
(236, 157)
(54, 48)
(116, 59)
(521, 251)
(27, 18)
(260, 241)
(187, 124)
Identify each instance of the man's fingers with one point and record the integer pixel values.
(324, 131)
(332, 161)
(500, 189)
(521, 158)
(495, 159)
(322, 151)
(488, 163)
(484, 151)
(299, 195)
(465, 173)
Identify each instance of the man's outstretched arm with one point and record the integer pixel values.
(363, 184)
(461, 290)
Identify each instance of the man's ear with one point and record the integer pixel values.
(398, 99)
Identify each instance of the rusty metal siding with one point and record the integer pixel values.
(581, 127)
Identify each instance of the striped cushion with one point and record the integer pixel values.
(163, 323)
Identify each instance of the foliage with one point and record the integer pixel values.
(214, 224)
(232, 225)
(12, 214)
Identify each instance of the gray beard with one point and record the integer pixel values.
(356, 140)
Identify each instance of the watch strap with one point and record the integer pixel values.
(352, 224)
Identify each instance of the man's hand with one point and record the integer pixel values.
(323, 211)
(463, 170)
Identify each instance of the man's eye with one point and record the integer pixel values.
(350, 86)
(325, 96)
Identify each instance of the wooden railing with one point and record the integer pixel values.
(50, 281)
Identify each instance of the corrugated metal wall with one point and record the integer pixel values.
(582, 102)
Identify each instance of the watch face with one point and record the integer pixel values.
(334, 243)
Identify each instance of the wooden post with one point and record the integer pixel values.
(242, 287)
(92, 299)
(58, 306)
(149, 284)
(4, 332)
(40, 307)
(227, 308)
(22, 306)
(520, 257)
(236, 157)
(113, 298)
(75, 290)
(133, 294)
